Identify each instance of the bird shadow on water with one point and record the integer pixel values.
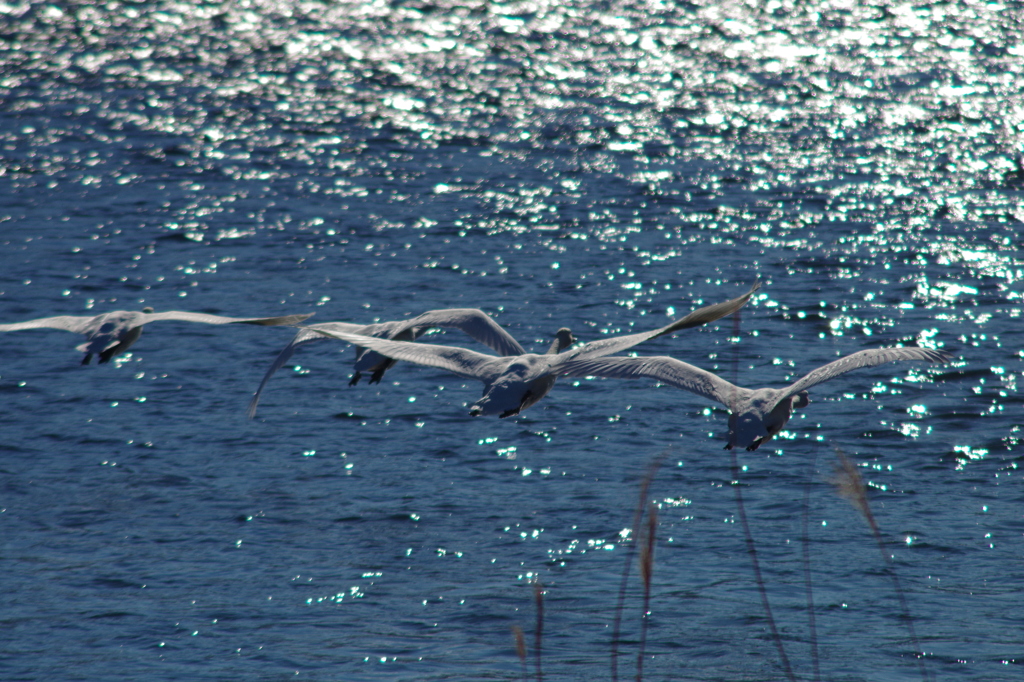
(627, 655)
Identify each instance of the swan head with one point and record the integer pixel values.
(563, 339)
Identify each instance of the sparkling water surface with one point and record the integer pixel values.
(602, 166)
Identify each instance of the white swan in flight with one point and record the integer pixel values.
(512, 384)
(757, 415)
(111, 334)
(476, 323)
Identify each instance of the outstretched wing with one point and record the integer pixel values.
(710, 313)
(463, 362)
(475, 323)
(865, 358)
(185, 316)
(312, 332)
(665, 369)
(305, 335)
(701, 316)
(70, 323)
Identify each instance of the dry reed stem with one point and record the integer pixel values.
(805, 542)
(646, 571)
(849, 485)
(748, 537)
(645, 485)
(758, 578)
(538, 598)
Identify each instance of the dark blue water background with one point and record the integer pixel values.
(603, 166)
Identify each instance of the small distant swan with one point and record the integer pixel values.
(512, 384)
(476, 323)
(757, 414)
(111, 334)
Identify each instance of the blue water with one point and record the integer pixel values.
(605, 167)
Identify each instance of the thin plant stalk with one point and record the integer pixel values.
(538, 598)
(752, 551)
(645, 485)
(748, 537)
(805, 542)
(646, 571)
(850, 486)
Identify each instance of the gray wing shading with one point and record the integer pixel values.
(71, 323)
(311, 332)
(710, 313)
(305, 335)
(665, 369)
(697, 318)
(475, 323)
(865, 358)
(184, 316)
(463, 362)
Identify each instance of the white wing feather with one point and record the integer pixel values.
(697, 318)
(865, 358)
(184, 316)
(461, 361)
(473, 322)
(665, 369)
(70, 323)
(476, 323)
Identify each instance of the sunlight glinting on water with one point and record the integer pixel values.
(605, 168)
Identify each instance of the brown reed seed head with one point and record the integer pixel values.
(647, 549)
(849, 484)
(520, 638)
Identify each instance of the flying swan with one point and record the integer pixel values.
(111, 334)
(514, 383)
(757, 415)
(476, 323)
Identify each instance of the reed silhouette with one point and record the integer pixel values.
(805, 550)
(520, 638)
(640, 546)
(748, 538)
(646, 572)
(538, 599)
(747, 535)
(645, 485)
(850, 486)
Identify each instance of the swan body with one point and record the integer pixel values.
(110, 334)
(512, 384)
(757, 415)
(476, 323)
